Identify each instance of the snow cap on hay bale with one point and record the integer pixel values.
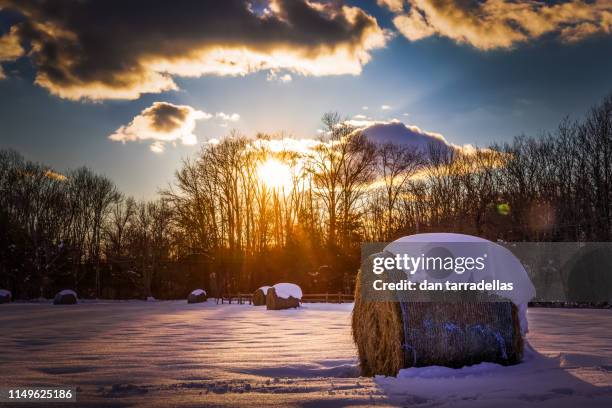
(259, 296)
(65, 297)
(197, 296)
(5, 296)
(442, 328)
(283, 296)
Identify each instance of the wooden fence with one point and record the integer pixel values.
(246, 298)
(328, 298)
(240, 298)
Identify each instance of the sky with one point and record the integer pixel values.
(130, 89)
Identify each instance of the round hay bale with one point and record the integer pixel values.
(65, 297)
(400, 329)
(259, 296)
(451, 334)
(283, 296)
(378, 334)
(5, 296)
(197, 296)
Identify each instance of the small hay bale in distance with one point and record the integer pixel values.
(259, 296)
(65, 297)
(5, 296)
(283, 296)
(274, 302)
(197, 296)
(452, 330)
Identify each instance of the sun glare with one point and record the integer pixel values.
(275, 174)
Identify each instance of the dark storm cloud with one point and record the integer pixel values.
(120, 49)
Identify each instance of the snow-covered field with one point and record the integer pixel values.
(171, 354)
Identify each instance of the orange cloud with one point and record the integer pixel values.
(10, 49)
(115, 50)
(393, 5)
(492, 24)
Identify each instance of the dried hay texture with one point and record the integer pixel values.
(259, 299)
(273, 302)
(451, 334)
(378, 335)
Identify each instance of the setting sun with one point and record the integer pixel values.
(275, 174)
(276, 183)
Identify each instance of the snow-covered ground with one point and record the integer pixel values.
(171, 354)
(568, 364)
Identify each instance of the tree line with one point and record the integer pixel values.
(223, 226)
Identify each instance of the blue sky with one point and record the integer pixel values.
(441, 85)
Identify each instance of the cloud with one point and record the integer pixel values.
(396, 132)
(157, 147)
(492, 24)
(288, 144)
(361, 121)
(413, 25)
(285, 78)
(273, 75)
(10, 49)
(161, 123)
(55, 175)
(226, 117)
(393, 5)
(111, 49)
(385, 107)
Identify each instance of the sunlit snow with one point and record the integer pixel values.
(176, 354)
